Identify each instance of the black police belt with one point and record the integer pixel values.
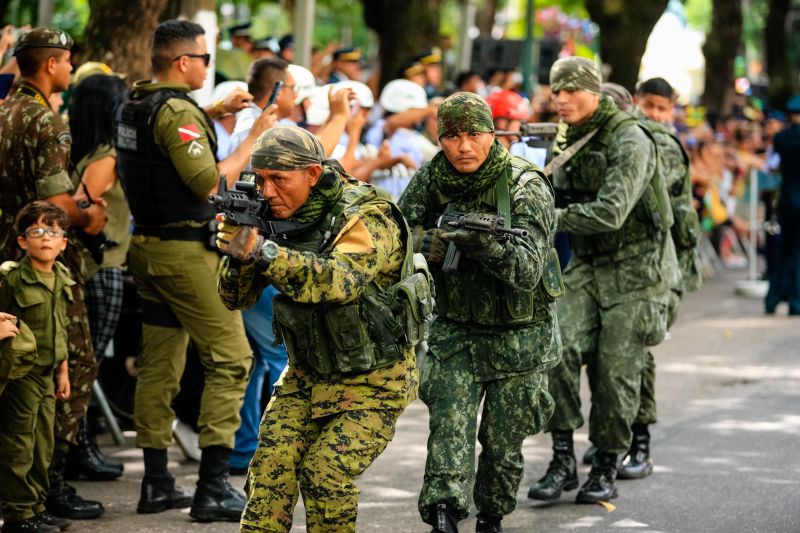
(174, 234)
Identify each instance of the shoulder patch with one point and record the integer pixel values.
(188, 132)
(8, 266)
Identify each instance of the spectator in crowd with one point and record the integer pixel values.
(224, 125)
(431, 59)
(471, 82)
(346, 65)
(266, 48)
(92, 113)
(286, 45)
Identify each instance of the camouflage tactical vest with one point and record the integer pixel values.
(686, 228)
(580, 179)
(473, 296)
(371, 332)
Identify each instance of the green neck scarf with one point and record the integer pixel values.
(603, 113)
(323, 196)
(465, 186)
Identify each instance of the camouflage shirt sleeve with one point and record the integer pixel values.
(631, 161)
(414, 200)
(52, 157)
(368, 248)
(523, 258)
(182, 133)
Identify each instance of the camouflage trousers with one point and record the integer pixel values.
(322, 457)
(647, 401)
(612, 342)
(82, 369)
(513, 408)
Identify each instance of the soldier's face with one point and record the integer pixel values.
(574, 107)
(467, 151)
(61, 68)
(43, 249)
(657, 108)
(287, 190)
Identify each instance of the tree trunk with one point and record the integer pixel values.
(720, 49)
(779, 68)
(404, 28)
(625, 26)
(119, 34)
(485, 18)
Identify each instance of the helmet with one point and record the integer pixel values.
(303, 81)
(222, 90)
(402, 95)
(363, 93)
(508, 104)
(318, 108)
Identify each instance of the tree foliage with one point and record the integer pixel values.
(782, 80)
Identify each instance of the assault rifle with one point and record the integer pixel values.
(534, 134)
(244, 204)
(494, 225)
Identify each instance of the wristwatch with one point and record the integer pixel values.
(269, 251)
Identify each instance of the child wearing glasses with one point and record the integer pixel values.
(36, 290)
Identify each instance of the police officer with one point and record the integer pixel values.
(338, 248)
(496, 332)
(34, 155)
(166, 160)
(613, 203)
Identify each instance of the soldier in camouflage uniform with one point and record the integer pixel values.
(496, 333)
(34, 155)
(613, 202)
(337, 245)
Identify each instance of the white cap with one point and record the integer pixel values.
(304, 82)
(402, 95)
(318, 108)
(225, 88)
(363, 93)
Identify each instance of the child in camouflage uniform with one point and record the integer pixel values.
(36, 290)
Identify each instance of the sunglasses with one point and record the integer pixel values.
(205, 57)
(38, 233)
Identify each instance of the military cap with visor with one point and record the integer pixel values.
(43, 38)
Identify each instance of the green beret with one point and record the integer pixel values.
(575, 74)
(464, 112)
(43, 38)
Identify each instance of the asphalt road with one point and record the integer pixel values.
(726, 447)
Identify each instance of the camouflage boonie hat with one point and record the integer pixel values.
(464, 112)
(287, 148)
(575, 74)
(43, 38)
(622, 98)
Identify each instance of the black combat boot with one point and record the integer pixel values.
(600, 485)
(159, 490)
(444, 519)
(61, 523)
(637, 462)
(62, 500)
(215, 500)
(85, 461)
(588, 457)
(488, 524)
(31, 525)
(562, 474)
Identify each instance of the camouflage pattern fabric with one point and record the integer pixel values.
(513, 408)
(603, 292)
(351, 413)
(575, 74)
(464, 112)
(286, 148)
(43, 38)
(322, 456)
(34, 159)
(621, 96)
(501, 365)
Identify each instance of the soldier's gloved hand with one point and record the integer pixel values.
(239, 242)
(476, 243)
(432, 247)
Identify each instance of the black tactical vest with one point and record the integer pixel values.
(156, 193)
